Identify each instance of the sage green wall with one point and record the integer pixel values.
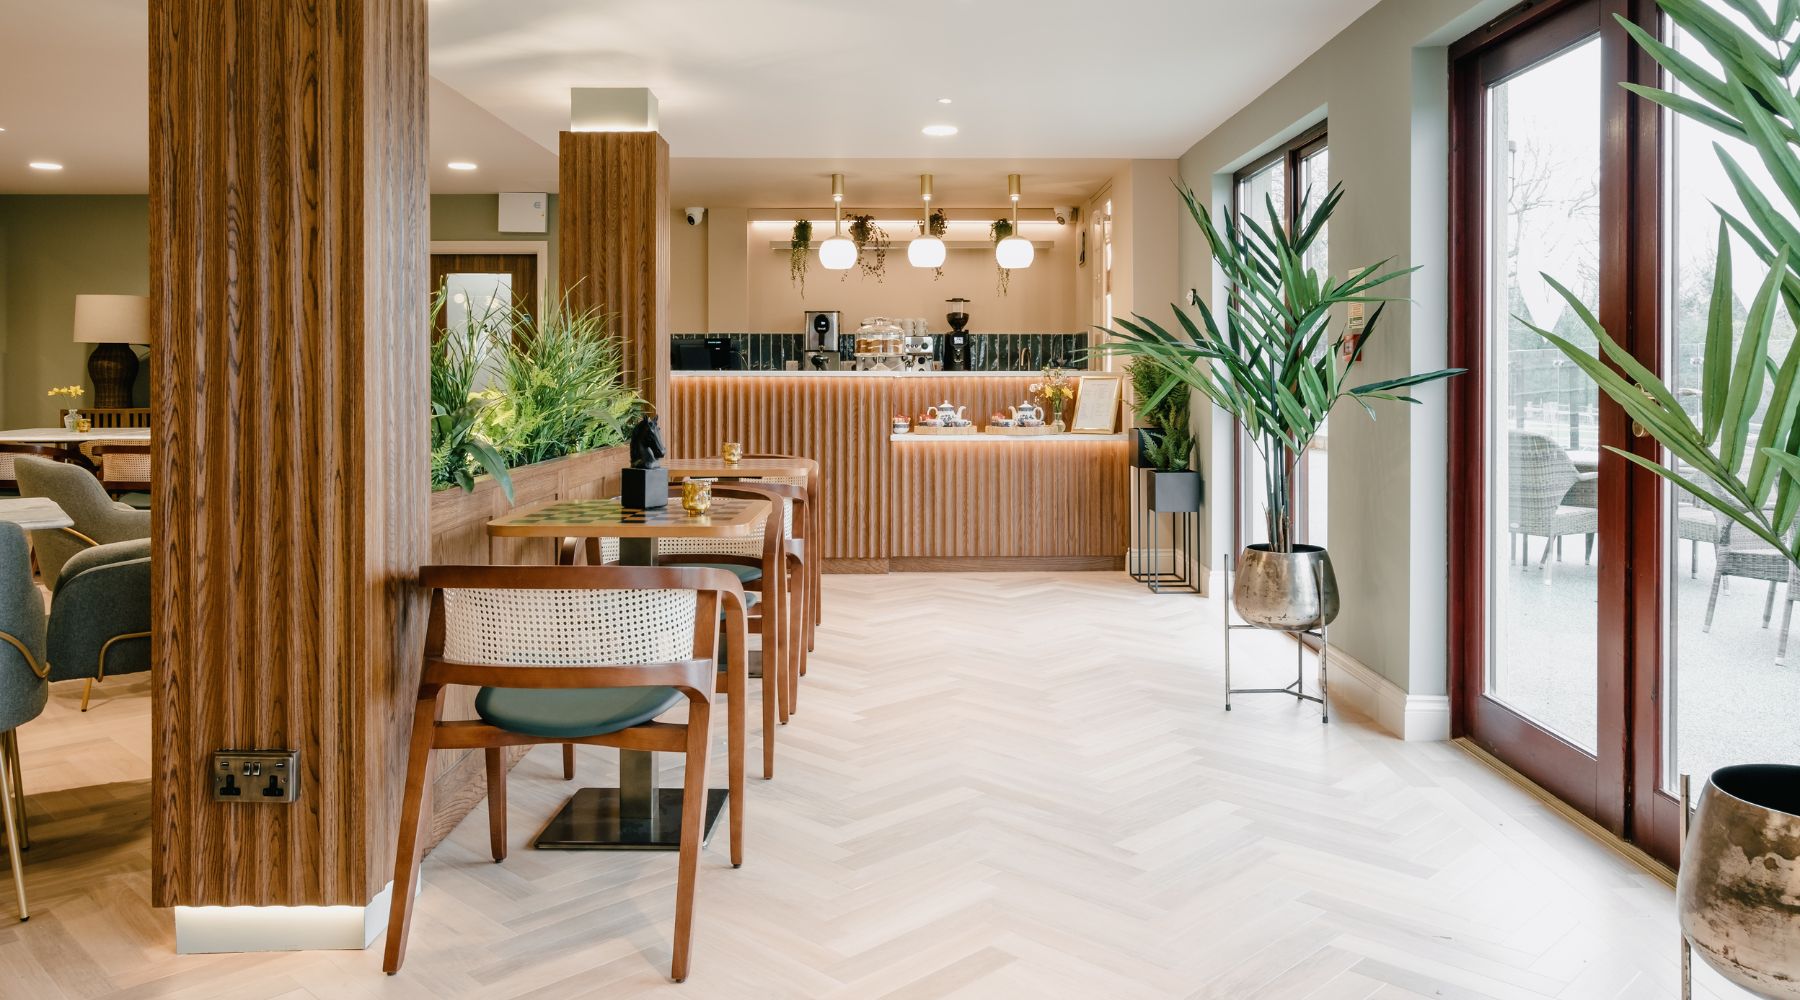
(53, 248)
(1382, 83)
(474, 216)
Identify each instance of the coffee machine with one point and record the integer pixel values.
(956, 354)
(821, 344)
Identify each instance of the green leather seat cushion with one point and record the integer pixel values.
(745, 574)
(565, 712)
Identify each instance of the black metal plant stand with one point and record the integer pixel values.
(1298, 688)
(1144, 561)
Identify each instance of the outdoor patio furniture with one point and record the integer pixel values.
(1742, 554)
(1539, 479)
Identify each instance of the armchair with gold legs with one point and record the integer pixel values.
(24, 687)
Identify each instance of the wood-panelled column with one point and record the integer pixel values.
(613, 234)
(288, 237)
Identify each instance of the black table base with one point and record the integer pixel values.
(594, 820)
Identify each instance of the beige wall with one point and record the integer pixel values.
(1382, 84)
(476, 216)
(53, 248)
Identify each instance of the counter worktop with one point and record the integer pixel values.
(1073, 373)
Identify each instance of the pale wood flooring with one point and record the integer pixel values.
(998, 786)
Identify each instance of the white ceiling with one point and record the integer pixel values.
(1060, 90)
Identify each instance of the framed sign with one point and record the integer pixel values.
(1096, 405)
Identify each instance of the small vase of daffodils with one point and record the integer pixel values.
(72, 412)
(1055, 390)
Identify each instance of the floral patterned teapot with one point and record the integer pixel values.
(1027, 414)
(950, 415)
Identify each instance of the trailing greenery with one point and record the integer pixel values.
(555, 388)
(457, 447)
(1750, 478)
(1161, 401)
(798, 248)
(871, 246)
(1275, 365)
(1000, 229)
(937, 225)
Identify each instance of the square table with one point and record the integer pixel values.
(748, 468)
(639, 815)
(34, 513)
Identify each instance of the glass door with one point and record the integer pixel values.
(1538, 589)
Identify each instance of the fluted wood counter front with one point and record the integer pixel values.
(919, 502)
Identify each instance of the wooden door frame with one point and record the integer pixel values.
(538, 248)
(1506, 46)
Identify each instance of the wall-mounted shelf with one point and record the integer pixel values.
(784, 246)
(1007, 438)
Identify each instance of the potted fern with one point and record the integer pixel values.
(1165, 444)
(1274, 365)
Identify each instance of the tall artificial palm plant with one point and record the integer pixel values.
(1275, 363)
(1751, 477)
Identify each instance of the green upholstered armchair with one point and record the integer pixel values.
(100, 614)
(98, 519)
(23, 688)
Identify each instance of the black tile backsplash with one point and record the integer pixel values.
(772, 351)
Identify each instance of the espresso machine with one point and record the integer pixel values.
(821, 344)
(956, 353)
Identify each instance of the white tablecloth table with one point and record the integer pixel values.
(63, 436)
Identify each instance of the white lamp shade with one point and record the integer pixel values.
(1014, 252)
(926, 251)
(838, 253)
(112, 319)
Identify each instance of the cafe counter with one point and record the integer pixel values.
(912, 502)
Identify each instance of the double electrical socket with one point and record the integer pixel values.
(256, 775)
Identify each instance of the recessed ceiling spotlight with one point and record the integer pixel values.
(45, 165)
(460, 165)
(939, 130)
(943, 100)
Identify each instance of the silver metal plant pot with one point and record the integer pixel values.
(1291, 591)
(1738, 895)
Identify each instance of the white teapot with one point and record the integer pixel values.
(1027, 415)
(949, 415)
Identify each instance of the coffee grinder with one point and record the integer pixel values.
(956, 342)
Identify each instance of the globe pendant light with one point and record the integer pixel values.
(838, 253)
(927, 250)
(1015, 251)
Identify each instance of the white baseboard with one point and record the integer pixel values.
(203, 930)
(1409, 716)
(1353, 683)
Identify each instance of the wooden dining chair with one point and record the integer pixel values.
(122, 468)
(765, 568)
(9, 480)
(814, 482)
(583, 654)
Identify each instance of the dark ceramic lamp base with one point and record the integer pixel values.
(114, 369)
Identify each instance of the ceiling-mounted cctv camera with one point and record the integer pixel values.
(1063, 214)
(695, 216)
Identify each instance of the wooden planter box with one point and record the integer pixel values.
(459, 535)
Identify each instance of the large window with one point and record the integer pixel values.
(1608, 634)
(1291, 180)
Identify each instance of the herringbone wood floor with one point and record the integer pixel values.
(998, 786)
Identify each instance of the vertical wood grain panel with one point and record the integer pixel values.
(613, 244)
(842, 423)
(288, 246)
(940, 504)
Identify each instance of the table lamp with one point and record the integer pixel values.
(112, 322)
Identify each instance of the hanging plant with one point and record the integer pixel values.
(1001, 229)
(871, 246)
(797, 254)
(937, 226)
